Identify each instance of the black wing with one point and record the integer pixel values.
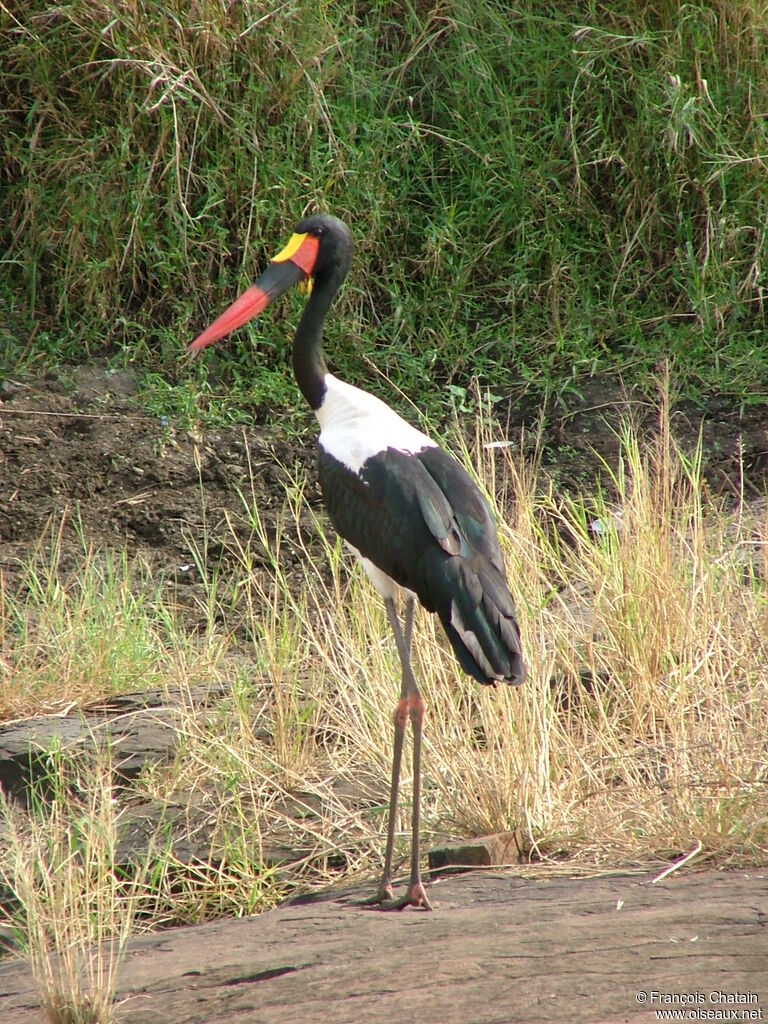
(422, 520)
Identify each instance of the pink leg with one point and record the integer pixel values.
(416, 895)
(385, 892)
(411, 704)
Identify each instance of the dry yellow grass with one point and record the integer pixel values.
(74, 913)
(639, 735)
(69, 636)
(641, 730)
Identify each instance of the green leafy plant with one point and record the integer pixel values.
(537, 195)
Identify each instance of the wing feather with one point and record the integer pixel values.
(421, 519)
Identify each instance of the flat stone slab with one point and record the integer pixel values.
(499, 949)
(139, 727)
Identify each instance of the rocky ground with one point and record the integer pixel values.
(498, 949)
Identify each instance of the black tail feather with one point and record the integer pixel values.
(480, 622)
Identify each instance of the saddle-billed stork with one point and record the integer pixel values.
(408, 509)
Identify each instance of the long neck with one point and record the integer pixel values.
(309, 364)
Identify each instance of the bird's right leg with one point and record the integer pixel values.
(403, 637)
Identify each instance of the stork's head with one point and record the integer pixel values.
(320, 248)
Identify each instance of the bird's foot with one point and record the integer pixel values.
(385, 894)
(384, 899)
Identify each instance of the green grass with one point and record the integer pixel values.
(538, 193)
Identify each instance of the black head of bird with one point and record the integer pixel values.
(320, 250)
(405, 507)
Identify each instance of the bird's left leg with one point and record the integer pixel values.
(411, 703)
